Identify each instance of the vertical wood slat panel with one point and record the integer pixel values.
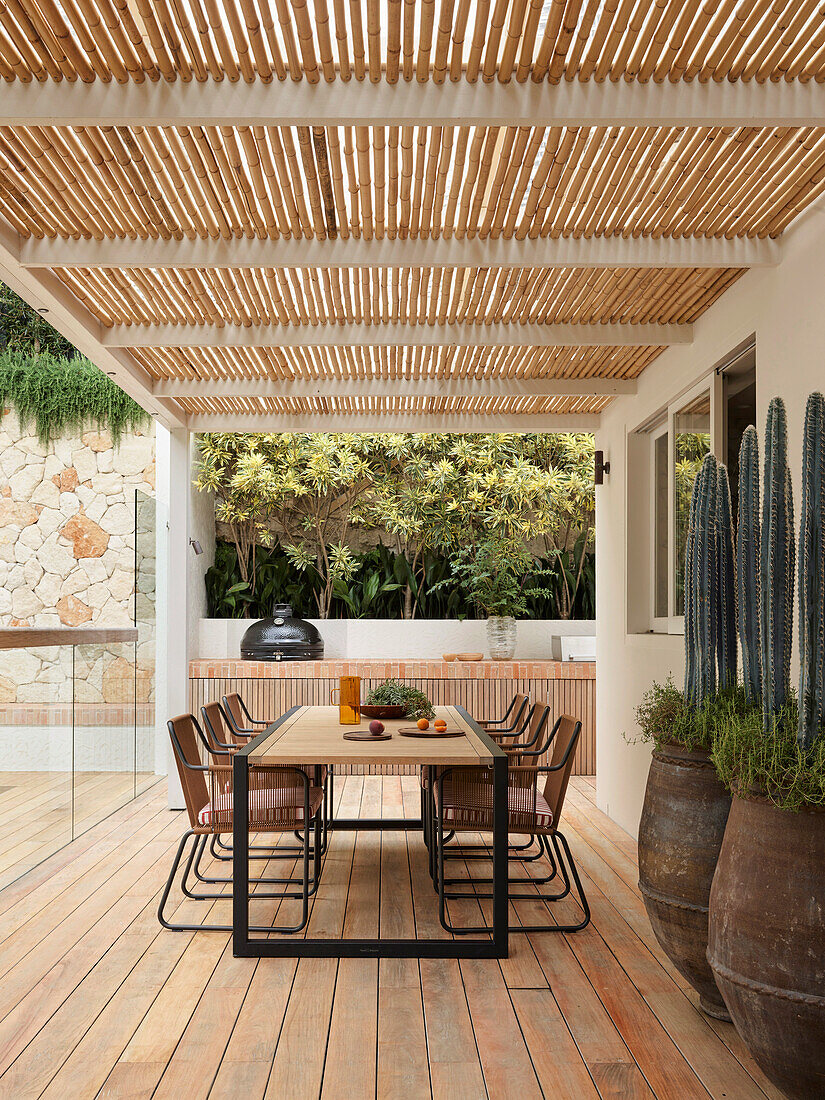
(269, 698)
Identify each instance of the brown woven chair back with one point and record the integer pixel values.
(519, 713)
(217, 727)
(235, 709)
(195, 790)
(555, 787)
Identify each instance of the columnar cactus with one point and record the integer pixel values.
(726, 584)
(702, 586)
(747, 566)
(812, 576)
(776, 566)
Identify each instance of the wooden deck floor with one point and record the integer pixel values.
(97, 1000)
(39, 810)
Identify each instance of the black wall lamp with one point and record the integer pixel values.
(602, 468)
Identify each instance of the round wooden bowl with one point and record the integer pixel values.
(469, 657)
(448, 656)
(383, 712)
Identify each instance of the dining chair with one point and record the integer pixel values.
(524, 736)
(281, 799)
(510, 720)
(243, 727)
(217, 727)
(243, 724)
(464, 803)
(224, 741)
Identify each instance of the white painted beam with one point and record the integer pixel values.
(306, 389)
(401, 422)
(395, 335)
(569, 103)
(45, 292)
(610, 252)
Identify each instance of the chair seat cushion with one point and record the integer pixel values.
(276, 806)
(474, 817)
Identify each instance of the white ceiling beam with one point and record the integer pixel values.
(396, 335)
(609, 252)
(45, 293)
(307, 389)
(569, 103)
(401, 422)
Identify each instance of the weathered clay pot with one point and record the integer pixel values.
(680, 834)
(767, 940)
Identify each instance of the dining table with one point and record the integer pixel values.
(313, 736)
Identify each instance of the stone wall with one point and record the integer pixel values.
(67, 555)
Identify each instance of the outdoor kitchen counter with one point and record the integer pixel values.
(484, 688)
(399, 668)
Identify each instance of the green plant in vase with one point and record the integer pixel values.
(498, 576)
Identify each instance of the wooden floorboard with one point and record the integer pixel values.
(96, 1000)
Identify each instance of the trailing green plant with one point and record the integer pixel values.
(812, 577)
(767, 759)
(747, 565)
(65, 395)
(394, 693)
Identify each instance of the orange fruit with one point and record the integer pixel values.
(423, 724)
(440, 724)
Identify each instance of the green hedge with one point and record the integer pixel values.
(376, 591)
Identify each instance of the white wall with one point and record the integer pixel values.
(202, 530)
(417, 639)
(783, 306)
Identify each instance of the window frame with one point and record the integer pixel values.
(712, 384)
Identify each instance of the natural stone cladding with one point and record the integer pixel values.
(67, 555)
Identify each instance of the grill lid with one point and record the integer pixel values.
(282, 638)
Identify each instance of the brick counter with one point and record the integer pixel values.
(483, 687)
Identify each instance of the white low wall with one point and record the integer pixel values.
(86, 748)
(419, 639)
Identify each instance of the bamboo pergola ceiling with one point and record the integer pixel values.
(515, 257)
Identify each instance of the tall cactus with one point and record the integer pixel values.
(701, 586)
(776, 566)
(747, 565)
(726, 584)
(812, 576)
(690, 609)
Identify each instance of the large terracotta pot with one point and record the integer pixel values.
(680, 834)
(767, 940)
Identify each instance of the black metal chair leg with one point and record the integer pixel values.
(171, 878)
(227, 880)
(564, 859)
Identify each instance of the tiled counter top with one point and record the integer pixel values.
(399, 669)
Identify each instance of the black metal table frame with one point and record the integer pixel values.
(494, 946)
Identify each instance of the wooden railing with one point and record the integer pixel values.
(30, 637)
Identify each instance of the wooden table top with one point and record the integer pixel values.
(313, 735)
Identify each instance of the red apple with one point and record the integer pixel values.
(376, 727)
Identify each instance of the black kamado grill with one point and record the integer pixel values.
(282, 638)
